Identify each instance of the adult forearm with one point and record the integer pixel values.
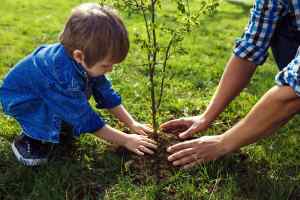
(274, 109)
(236, 76)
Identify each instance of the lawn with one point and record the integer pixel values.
(93, 169)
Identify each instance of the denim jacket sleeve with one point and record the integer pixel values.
(104, 94)
(73, 107)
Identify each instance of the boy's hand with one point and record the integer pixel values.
(140, 144)
(121, 113)
(141, 129)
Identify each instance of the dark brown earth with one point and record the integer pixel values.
(154, 167)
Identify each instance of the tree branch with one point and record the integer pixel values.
(167, 56)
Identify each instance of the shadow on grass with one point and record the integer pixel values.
(252, 177)
(87, 170)
(77, 171)
(257, 180)
(269, 170)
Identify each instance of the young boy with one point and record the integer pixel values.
(50, 87)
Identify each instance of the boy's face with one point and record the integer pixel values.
(100, 68)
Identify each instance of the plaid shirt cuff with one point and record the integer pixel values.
(290, 76)
(251, 52)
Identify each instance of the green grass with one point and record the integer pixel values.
(268, 169)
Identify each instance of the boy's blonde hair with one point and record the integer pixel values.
(97, 31)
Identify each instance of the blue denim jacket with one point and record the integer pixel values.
(48, 87)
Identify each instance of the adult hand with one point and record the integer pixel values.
(193, 125)
(196, 151)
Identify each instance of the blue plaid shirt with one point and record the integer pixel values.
(290, 75)
(265, 14)
(255, 41)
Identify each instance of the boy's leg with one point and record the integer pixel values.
(285, 41)
(32, 152)
(66, 133)
(29, 151)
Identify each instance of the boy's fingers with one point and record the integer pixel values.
(141, 132)
(149, 140)
(150, 145)
(148, 129)
(145, 149)
(138, 152)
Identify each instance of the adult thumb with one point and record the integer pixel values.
(188, 133)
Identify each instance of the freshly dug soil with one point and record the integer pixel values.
(154, 167)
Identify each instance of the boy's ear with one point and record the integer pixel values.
(78, 56)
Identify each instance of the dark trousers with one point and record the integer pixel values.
(66, 133)
(285, 41)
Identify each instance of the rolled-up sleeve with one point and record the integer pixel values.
(255, 41)
(104, 94)
(290, 75)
